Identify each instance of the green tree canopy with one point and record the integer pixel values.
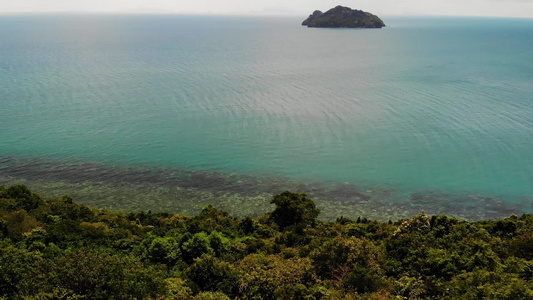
(293, 209)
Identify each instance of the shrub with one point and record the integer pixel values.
(208, 274)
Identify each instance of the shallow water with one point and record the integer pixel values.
(431, 114)
(128, 188)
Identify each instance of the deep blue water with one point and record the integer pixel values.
(433, 106)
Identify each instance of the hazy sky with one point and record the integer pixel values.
(503, 8)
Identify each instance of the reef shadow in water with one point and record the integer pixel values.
(133, 188)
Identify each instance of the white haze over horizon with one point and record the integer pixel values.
(493, 8)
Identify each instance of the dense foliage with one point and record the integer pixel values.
(59, 249)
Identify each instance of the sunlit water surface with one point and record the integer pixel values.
(176, 112)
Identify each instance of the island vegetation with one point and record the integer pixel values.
(60, 249)
(343, 17)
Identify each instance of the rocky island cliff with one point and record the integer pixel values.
(343, 17)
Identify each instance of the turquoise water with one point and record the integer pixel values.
(426, 106)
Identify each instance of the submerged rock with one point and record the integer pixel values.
(343, 17)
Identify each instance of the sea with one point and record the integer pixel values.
(173, 113)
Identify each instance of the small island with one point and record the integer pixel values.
(343, 17)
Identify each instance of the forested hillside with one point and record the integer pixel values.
(60, 249)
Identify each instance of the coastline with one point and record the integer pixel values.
(135, 188)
